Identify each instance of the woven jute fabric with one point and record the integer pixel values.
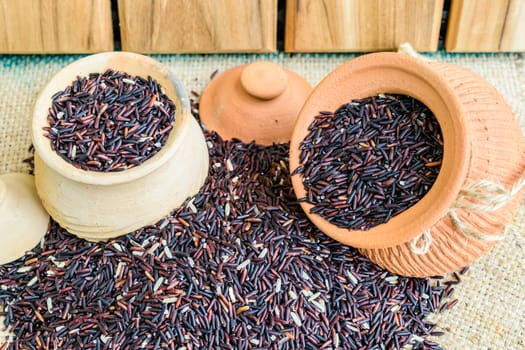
(491, 309)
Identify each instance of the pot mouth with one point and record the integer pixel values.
(131, 63)
(391, 73)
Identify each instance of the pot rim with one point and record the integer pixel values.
(389, 72)
(98, 63)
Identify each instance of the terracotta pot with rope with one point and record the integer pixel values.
(478, 188)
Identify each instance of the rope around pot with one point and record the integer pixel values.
(483, 196)
(493, 197)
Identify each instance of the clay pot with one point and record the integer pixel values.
(23, 221)
(255, 102)
(482, 141)
(99, 206)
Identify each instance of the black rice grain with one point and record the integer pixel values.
(238, 266)
(110, 121)
(370, 160)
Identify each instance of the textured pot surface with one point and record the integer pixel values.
(254, 102)
(100, 206)
(498, 155)
(23, 220)
(482, 141)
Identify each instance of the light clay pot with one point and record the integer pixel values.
(99, 206)
(254, 102)
(482, 141)
(23, 221)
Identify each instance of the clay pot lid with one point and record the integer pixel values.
(254, 102)
(23, 220)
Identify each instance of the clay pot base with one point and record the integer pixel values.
(482, 141)
(254, 102)
(23, 220)
(449, 251)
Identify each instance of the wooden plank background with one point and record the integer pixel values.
(55, 26)
(168, 26)
(209, 26)
(486, 25)
(361, 25)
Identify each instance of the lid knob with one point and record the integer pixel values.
(264, 80)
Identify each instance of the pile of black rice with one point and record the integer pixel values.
(238, 266)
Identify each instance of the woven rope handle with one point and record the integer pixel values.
(407, 49)
(493, 196)
(484, 196)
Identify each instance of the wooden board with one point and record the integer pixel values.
(169, 26)
(486, 25)
(361, 25)
(55, 26)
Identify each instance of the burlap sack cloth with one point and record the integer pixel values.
(491, 309)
